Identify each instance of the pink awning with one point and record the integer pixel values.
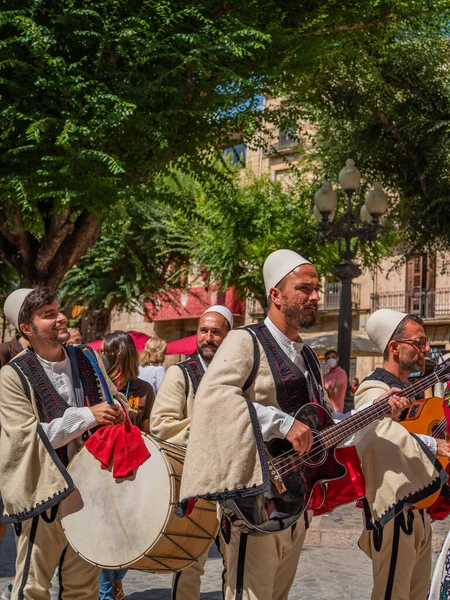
(190, 303)
(187, 345)
(139, 340)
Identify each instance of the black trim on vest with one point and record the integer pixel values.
(51, 501)
(26, 568)
(416, 497)
(241, 567)
(194, 369)
(292, 387)
(256, 360)
(386, 377)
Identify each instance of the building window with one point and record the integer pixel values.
(237, 155)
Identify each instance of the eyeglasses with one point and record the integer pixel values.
(420, 342)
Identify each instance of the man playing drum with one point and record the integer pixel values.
(50, 398)
(260, 377)
(171, 415)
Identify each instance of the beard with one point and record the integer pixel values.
(304, 316)
(207, 350)
(413, 366)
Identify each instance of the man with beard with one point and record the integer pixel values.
(50, 398)
(171, 415)
(260, 377)
(400, 551)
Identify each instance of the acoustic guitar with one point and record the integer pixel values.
(427, 417)
(293, 477)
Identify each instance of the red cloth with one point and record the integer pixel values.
(349, 488)
(121, 445)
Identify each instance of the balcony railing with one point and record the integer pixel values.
(428, 304)
(331, 296)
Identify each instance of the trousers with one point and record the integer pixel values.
(401, 556)
(41, 547)
(263, 567)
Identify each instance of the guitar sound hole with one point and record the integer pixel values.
(317, 455)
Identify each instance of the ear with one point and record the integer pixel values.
(393, 347)
(26, 329)
(275, 295)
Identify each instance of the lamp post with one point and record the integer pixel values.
(348, 230)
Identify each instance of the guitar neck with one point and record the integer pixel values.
(334, 435)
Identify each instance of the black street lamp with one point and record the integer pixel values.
(348, 230)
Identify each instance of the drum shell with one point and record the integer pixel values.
(180, 541)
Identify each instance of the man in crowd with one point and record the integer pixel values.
(401, 550)
(49, 398)
(172, 410)
(335, 381)
(261, 375)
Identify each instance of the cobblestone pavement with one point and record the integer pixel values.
(336, 569)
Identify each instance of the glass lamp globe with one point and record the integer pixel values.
(376, 201)
(365, 215)
(325, 199)
(349, 177)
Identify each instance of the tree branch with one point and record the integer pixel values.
(59, 227)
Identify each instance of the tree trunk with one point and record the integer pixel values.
(46, 261)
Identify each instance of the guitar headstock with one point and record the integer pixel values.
(442, 371)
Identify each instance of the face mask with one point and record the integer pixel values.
(331, 362)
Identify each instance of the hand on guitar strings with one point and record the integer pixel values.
(443, 448)
(300, 436)
(396, 402)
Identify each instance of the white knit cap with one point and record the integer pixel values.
(279, 264)
(223, 310)
(13, 304)
(381, 325)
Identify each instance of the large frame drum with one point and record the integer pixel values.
(131, 522)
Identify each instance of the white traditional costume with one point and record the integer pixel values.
(259, 375)
(44, 412)
(170, 420)
(401, 550)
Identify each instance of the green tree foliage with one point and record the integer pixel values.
(98, 95)
(388, 108)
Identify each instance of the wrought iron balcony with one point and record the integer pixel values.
(428, 304)
(331, 296)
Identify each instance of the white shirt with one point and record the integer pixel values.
(75, 421)
(153, 374)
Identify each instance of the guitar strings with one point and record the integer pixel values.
(440, 430)
(329, 438)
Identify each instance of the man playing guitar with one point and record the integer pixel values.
(401, 550)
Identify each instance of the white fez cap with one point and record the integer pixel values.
(13, 304)
(381, 325)
(222, 310)
(279, 264)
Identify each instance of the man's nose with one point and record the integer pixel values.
(209, 336)
(314, 297)
(61, 317)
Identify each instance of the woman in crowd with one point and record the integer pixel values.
(121, 362)
(151, 359)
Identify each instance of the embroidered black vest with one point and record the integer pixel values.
(293, 389)
(193, 370)
(49, 403)
(389, 379)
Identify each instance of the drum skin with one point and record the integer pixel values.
(131, 522)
